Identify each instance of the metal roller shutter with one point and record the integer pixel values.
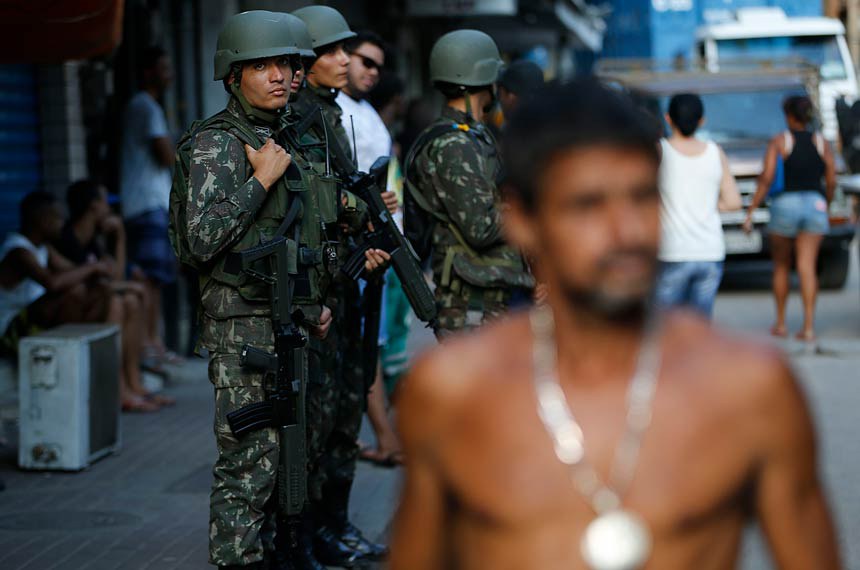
(20, 152)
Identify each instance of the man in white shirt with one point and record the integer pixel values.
(372, 139)
(146, 162)
(361, 121)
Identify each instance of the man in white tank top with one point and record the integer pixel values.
(695, 186)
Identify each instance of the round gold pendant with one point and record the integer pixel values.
(616, 540)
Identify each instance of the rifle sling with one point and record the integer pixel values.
(233, 259)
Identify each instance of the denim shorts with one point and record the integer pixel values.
(792, 213)
(149, 247)
(691, 284)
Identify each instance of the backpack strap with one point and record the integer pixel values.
(462, 246)
(242, 131)
(422, 141)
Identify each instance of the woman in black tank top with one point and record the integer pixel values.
(803, 166)
(799, 213)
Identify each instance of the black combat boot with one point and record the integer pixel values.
(353, 538)
(337, 505)
(297, 553)
(331, 551)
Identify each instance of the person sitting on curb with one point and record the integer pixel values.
(40, 289)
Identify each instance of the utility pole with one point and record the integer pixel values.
(852, 21)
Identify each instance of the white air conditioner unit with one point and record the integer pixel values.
(69, 396)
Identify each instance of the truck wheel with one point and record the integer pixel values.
(833, 268)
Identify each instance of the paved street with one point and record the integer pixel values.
(147, 507)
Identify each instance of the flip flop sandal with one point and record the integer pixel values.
(159, 399)
(139, 405)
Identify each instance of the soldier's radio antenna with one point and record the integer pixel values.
(354, 146)
(325, 135)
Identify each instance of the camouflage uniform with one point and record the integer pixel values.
(229, 210)
(474, 270)
(343, 410)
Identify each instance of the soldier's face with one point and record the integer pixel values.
(298, 77)
(331, 68)
(364, 66)
(595, 228)
(266, 82)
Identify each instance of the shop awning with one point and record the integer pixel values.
(52, 31)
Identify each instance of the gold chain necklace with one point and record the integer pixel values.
(617, 539)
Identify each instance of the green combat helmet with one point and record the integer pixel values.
(466, 58)
(299, 33)
(252, 35)
(326, 25)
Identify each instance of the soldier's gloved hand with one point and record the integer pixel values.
(390, 201)
(269, 163)
(376, 258)
(320, 331)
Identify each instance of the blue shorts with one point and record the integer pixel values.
(692, 284)
(149, 247)
(792, 213)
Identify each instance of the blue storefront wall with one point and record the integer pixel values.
(20, 155)
(628, 29)
(666, 29)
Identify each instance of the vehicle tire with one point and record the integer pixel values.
(833, 268)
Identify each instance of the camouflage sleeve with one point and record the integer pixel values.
(468, 197)
(221, 201)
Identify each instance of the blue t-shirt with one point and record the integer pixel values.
(144, 183)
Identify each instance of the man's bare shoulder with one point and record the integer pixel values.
(447, 379)
(737, 368)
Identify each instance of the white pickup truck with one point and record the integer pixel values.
(768, 34)
(743, 110)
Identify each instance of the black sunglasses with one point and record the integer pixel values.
(368, 63)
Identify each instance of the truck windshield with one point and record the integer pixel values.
(821, 51)
(740, 117)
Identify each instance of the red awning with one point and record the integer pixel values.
(52, 31)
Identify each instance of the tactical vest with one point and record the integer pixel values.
(500, 266)
(301, 194)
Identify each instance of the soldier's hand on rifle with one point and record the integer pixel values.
(320, 331)
(269, 163)
(390, 201)
(376, 258)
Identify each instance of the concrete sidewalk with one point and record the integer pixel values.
(146, 507)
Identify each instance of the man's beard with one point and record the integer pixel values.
(617, 308)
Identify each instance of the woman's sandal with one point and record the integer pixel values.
(139, 404)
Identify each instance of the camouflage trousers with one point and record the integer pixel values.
(462, 308)
(243, 506)
(242, 502)
(342, 408)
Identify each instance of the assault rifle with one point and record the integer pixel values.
(284, 408)
(385, 235)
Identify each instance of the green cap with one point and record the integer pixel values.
(326, 25)
(252, 35)
(465, 57)
(299, 33)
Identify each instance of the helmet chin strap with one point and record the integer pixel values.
(468, 98)
(263, 116)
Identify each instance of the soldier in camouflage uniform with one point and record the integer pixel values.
(237, 197)
(454, 172)
(338, 542)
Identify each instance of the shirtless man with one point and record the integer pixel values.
(726, 437)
